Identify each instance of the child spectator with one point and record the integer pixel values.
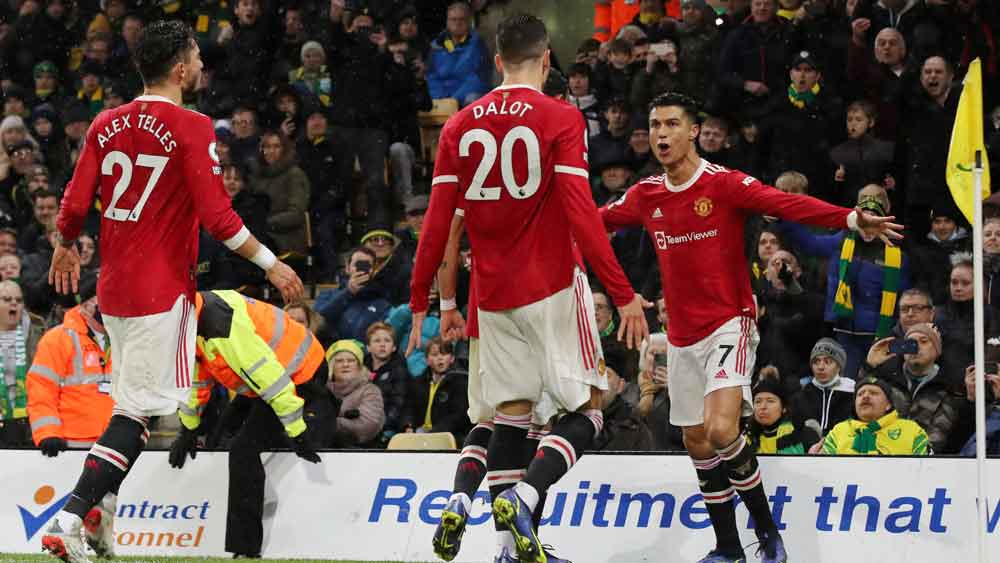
(389, 374)
(582, 96)
(863, 158)
(613, 79)
(827, 397)
(438, 399)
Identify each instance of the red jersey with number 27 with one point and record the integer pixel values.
(159, 178)
(516, 162)
(697, 230)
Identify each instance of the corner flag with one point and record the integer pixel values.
(966, 139)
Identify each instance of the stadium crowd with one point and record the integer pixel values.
(864, 349)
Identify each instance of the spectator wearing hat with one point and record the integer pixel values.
(923, 392)
(47, 87)
(23, 159)
(790, 318)
(362, 411)
(771, 430)
(826, 397)
(46, 127)
(582, 96)
(931, 256)
(357, 303)
(15, 101)
(754, 59)
(638, 153)
(408, 29)
(248, 44)
(614, 137)
(615, 173)
(654, 401)
(391, 270)
(13, 133)
(458, 67)
(115, 94)
(438, 398)
(863, 158)
(20, 332)
(928, 115)
(286, 109)
(409, 234)
(613, 77)
(699, 40)
(91, 93)
(876, 427)
(625, 429)
(76, 121)
(36, 179)
(806, 109)
(864, 279)
(287, 188)
(659, 72)
(313, 74)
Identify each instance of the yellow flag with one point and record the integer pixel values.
(966, 139)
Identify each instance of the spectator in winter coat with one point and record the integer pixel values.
(992, 388)
(248, 44)
(404, 132)
(361, 411)
(244, 148)
(217, 268)
(401, 320)
(613, 78)
(915, 307)
(931, 256)
(659, 72)
(864, 279)
(458, 61)
(408, 235)
(356, 304)
(439, 399)
(991, 261)
(806, 109)
(827, 397)
(923, 392)
(287, 187)
(624, 429)
(613, 139)
(20, 331)
(391, 270)
(47, 129)
(327, 201)
(790, 318)
(862, 159)
(582, 96)
(654, 401)
(755, 57)
(954, 319)
(604, 315)
(699, 41)
(313, 74)
(389, 374)
(876, 427)
(771, 431)
(882, 75)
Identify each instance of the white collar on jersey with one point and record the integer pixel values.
(690, 182)
(153, 98)
(512, 86)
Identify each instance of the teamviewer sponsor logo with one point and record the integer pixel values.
(663, 240)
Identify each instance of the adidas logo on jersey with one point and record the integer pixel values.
(657, 213)
(721, 374)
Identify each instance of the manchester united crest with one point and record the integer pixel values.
(703, 206)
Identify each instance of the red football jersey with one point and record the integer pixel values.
(517, 159)
(159, 177)
(697, 230)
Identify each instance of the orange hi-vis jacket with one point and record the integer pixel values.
(612, 15)
(69, 385)
(255, 349)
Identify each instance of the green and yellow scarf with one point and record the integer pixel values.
(16, 406)
(843, 305)
(802, 99)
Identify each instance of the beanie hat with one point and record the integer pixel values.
(829, 347)
(928, 330)
(769, 385)
(45, 67)
(346, 345)
(881, 384)
(311, 46)
(87, 286)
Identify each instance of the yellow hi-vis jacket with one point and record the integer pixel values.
(254, 349)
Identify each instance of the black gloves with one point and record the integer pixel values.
(52, 446)
(304, 449)
(186, 443)
(351, 414)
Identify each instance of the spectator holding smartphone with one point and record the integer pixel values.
(654, 401)
(992, 405)
(915, 307)
(352, 307)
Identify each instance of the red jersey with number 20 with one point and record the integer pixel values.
(516, 162)
(697, 230)
(159, 177)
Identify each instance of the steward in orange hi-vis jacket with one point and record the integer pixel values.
(69, 382)
(612, 15)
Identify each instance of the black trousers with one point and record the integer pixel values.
(262, 431)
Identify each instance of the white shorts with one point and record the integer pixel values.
(547, 348)
(152, 359)
(479, 409)
(723, 359)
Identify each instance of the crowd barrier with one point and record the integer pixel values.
(610, 508)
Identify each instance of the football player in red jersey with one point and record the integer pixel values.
(518, 158)
(695, 214)
(155, 166)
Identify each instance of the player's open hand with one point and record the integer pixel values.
(283, 277)
(872, 226)
(64, 272)
(634, 328)
(452, 325)
(416, 329)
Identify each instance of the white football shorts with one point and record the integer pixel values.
(547, 352)
(153, 359)
(723, 359)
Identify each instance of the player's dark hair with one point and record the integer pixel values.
(674, 99)
(161, 46)
(521, 37)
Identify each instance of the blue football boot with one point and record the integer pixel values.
(448, 535)
(772, 549)
(513, 515)
(717, 557)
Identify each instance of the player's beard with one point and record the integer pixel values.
(189, 89)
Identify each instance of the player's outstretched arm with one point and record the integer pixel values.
(452, 323)
(281, 275)
(633, 329)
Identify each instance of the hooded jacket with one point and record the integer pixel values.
(826, 406)
(287, 186)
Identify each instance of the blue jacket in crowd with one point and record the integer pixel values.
(348, 315)
(460, 71)
(401, 319)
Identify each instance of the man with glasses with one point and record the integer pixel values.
(19, 337)
(607, 326)
(915, 307)
(391, 270)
